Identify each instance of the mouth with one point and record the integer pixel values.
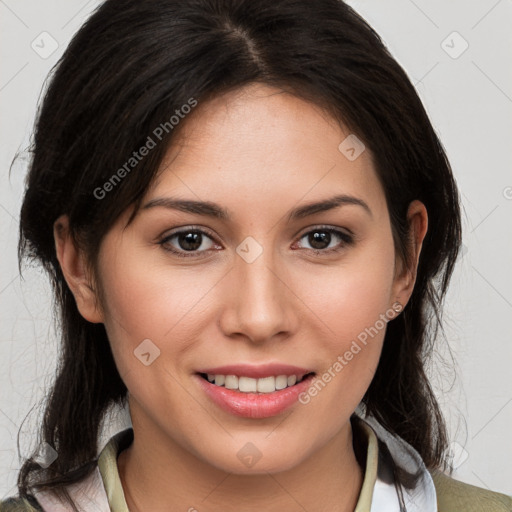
(263, 385)
(261, 395)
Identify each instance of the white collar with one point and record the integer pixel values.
(422, 498)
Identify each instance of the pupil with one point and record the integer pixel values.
(322, 238)
(190, 241)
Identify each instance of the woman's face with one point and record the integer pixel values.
(263, 288)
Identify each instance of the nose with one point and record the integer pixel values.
(260, 305)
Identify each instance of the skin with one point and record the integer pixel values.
(258, 152)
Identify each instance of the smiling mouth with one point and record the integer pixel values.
(262, 385)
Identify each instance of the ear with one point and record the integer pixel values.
(405, 277)
(73, 265)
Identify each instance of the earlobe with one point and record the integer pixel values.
(74, 268)
(417, 218)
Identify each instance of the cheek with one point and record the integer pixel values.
(153, 310)
(145, 301)
(352, 305)
(351, 296)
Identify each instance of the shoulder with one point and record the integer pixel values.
(20, 505)
(455, 496)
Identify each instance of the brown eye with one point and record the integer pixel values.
(189, 241)
(320, 240)
(195, 242)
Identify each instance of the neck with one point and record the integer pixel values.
(157, 474)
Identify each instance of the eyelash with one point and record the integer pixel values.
(346, 239)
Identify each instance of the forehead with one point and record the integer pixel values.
(265, 147)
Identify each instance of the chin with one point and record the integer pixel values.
(256, 458)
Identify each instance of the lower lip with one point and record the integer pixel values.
(254, 405)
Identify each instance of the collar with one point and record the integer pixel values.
(102, 491)
(420, 498)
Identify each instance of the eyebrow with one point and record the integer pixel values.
(211, 209)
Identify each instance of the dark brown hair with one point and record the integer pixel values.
(126, 71)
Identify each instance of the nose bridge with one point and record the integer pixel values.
(259, 306)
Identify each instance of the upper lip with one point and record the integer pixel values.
(256, 372)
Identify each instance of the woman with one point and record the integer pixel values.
(250, 225)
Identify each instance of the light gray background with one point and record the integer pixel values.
(469, 100)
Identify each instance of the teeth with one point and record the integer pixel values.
(231, 382)
(281, 382)
(250, 385)
(266, 385)
(247, 385)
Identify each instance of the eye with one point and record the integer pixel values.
(195, 242)
(321, 238)
(187, 242)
